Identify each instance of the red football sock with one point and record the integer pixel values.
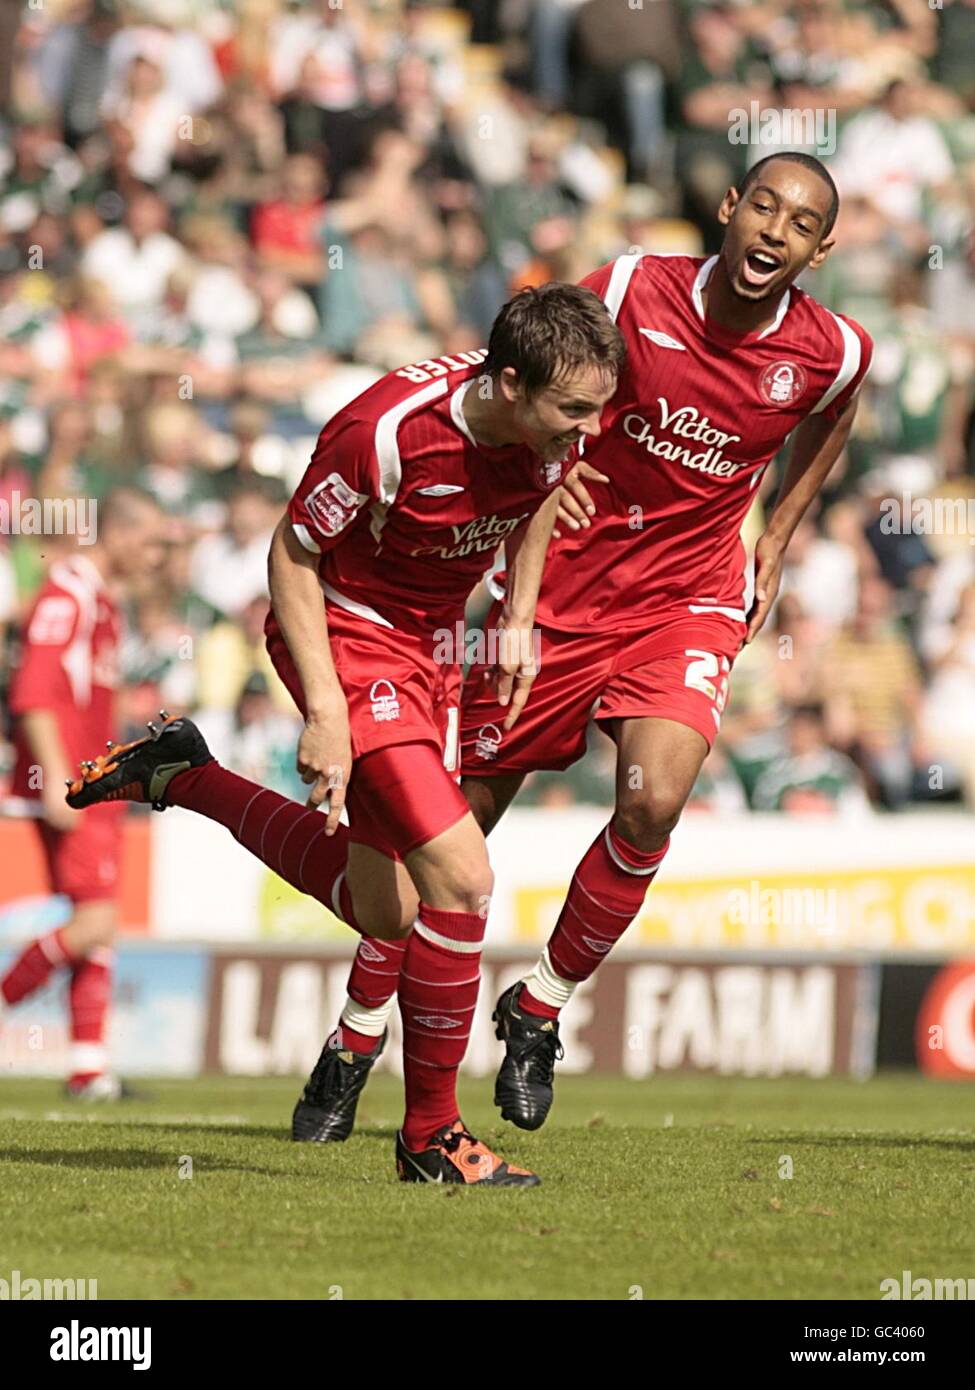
(34, 965)
(89, 997)
(531, 1005)
(286, 836)
(352, 1041)
(606, 893)
(437, 995)
(375, 971)
(372, 984)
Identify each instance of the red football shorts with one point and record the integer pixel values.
(84, 863)
(678, 669)
(404, 722)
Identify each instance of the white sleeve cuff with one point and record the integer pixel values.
(305, 536)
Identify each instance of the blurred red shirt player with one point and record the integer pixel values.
(62, 702)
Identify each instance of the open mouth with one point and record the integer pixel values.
(759, 267)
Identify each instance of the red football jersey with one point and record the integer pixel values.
(405, 508)
(68, 665)
(698, 414)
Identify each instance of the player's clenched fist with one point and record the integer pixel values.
(325, 761)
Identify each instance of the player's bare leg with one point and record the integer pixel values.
(658, 761)
(83, 947)
(490, 797)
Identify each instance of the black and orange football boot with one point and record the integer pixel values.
(143, 769)
(454, 1155)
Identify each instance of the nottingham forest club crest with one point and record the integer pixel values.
(549, 473)
(385, 705)
(782, 383)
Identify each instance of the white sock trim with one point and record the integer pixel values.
(547, 986)
(372, 1022)
(622, 864)
(53, 950)
(449, 943)
(87, 1056)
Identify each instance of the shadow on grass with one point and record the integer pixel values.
(875, 1141)
(108, 1159)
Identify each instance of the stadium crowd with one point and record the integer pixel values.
(219, 222)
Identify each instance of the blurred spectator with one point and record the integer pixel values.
(718, 789)
(822, 573)
(624, 63)
(529, 217)
(135, 261)
(148, 113)
(285, 229)
(227, 655)
(811, 778)
(256, 740)
(873, 693)
(172, 439)
(89, 330)
(949, 702)
(893, 154)
(72, 64)
(190, 76)
(285, 351)
(220, 301)
(258, 458)
(475, 284)
(722, 70)
(229, 569)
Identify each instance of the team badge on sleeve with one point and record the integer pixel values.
(332, 504)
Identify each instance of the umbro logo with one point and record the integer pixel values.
(663, 340)
(595, 945)
(368, 951)
(439, 490)
(438, 1021)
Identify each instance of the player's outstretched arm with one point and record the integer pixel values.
(524, 560)
(325, 749)
(816, 445)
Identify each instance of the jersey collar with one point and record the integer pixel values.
(86, 571)
(701, 279)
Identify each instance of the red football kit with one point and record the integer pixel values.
(407, 513)
(643, 614)
(69, 665)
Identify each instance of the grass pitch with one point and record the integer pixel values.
(670, 1188)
